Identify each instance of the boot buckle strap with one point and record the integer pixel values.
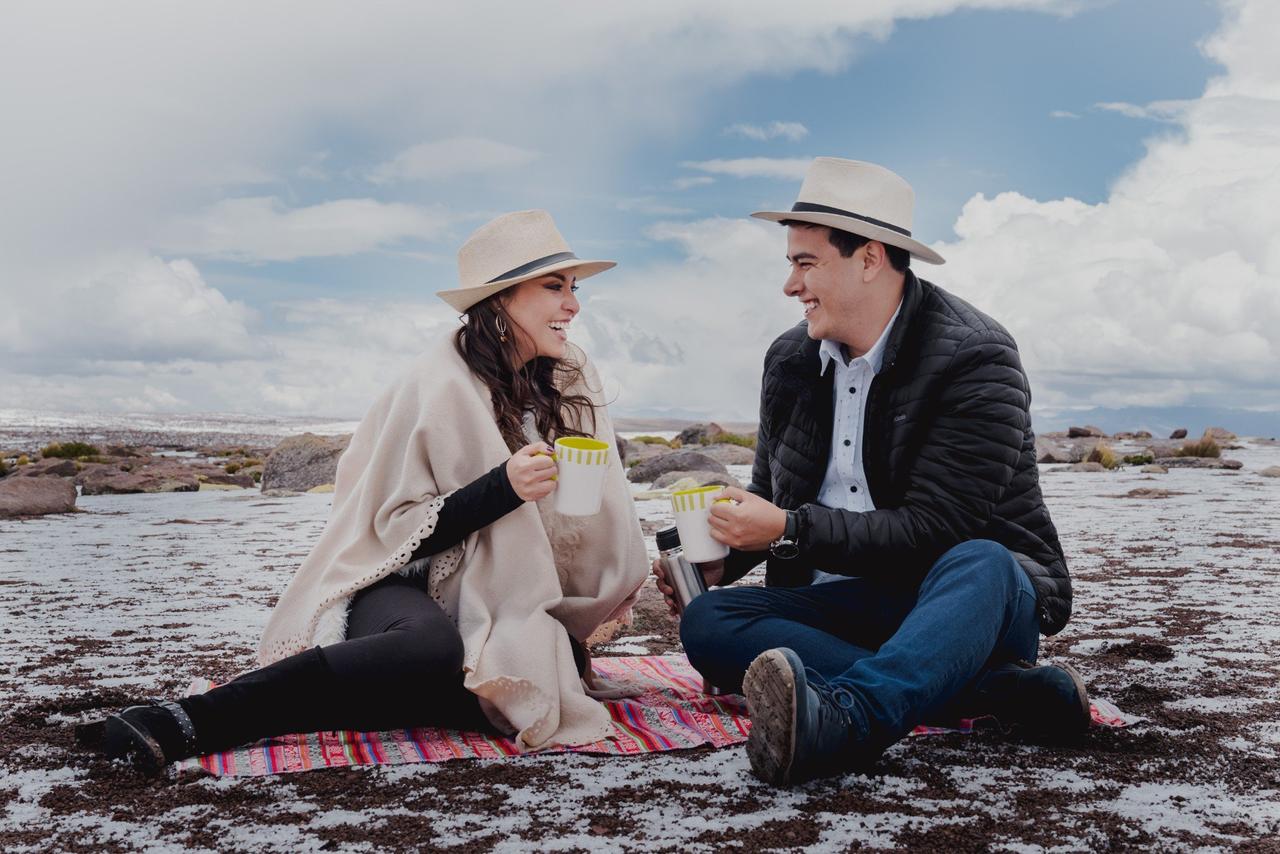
(184, 723)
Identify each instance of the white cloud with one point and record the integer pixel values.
(786, 168)
(1160, 111)
(793, 131)
(651, 206)
(450, 158)
(264, 229)
(1062, 114)
(1169, 290)
(692, 181)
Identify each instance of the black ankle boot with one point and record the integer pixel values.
(148, 737)
(1046, 703)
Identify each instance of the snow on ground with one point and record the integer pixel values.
(1176, 619)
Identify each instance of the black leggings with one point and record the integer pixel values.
(401, 666)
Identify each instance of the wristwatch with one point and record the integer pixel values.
(787, 546)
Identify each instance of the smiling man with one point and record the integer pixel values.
(912, 564)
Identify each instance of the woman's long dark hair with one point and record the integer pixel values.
(537, 386)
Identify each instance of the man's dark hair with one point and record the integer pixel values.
(847, 243)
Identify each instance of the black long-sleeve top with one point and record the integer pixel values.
(482, 502)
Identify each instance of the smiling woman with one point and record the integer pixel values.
(446, 589)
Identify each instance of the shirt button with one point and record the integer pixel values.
(847, 443)
(853, 488)
(852, 390)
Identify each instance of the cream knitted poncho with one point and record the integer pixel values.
(512, 588)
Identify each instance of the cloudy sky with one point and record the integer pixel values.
(248, 207)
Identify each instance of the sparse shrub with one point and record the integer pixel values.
(1103, 454)
(257, 477)
(1202, 448)
(677, 442)
(69, 450)
(24, 460)
(652, 440)
(231, 468)
(4, 469)
(250, 461)
(1139, 459)
(727, 438)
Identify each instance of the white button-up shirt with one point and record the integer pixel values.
(844, 487)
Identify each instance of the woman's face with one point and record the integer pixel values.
(538, 313)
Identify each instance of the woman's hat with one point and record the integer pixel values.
(861, 198)
(511, 249)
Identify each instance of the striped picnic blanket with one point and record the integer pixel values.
(672, 714)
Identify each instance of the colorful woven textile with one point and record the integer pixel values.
(672, 714)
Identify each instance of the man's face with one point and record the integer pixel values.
(828, 286)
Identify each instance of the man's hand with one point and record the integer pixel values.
(750, 525)
(531, 471)
(712, 572)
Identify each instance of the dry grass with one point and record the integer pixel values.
(1103, 454)
(1202, 448)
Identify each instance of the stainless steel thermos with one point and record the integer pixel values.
(685, 578)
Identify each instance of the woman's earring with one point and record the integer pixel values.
(502, 328)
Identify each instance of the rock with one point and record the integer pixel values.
(695, 478)
(300, 462)
(125, 451)
(1142, 434)
(1087, 467)
(1270, 471)
(714, 432)
(36, 496)
(641, 451)
(693, 434)
(1221, 435)
(52, 467)
(1198, 463)
(650, 470)
(1153, 469)
(1160, 450)
(239, 479)
(1122, 437)
(1048, 451)
(1180, 433)
(730, 455)
(160, 475)
(1149, 492)
(1086, 431)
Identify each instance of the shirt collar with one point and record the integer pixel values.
(833, 350)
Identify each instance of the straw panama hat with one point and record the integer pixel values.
(509, 250)
(861, 198)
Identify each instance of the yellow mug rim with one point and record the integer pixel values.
(697, 490)
(581, 443)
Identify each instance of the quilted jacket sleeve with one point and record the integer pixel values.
(965, 463)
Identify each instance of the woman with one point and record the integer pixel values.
(445, 589)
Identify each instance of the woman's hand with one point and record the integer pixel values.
(532, 470)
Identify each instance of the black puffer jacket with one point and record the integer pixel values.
(948, 452)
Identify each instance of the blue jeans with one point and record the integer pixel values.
(902, 654)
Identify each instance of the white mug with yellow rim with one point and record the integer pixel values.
(581, 465)
(692, 509)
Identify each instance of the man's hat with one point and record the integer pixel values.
(861, 198)
(509, 250)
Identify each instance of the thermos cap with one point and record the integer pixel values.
(668, 538)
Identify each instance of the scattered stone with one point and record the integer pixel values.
(1198, 463)
(1048, 451)
(163, 475)
(695, 479)
(1152, 468)
(650, 470)
(1160, 450)
(240, 480)
(1148, 492)
(1086, 467)
(301, 462)
(730, 455)
(52, 467)
(1122, 437)
(1218, 434)
(1270, 471)
(1085, 432)
(692, 435)
(1142, 434)
(640, 451)
(1180, 433)
(36, 496)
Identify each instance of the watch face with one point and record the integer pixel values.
(784, 549)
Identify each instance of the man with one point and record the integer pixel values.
(912, 564)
